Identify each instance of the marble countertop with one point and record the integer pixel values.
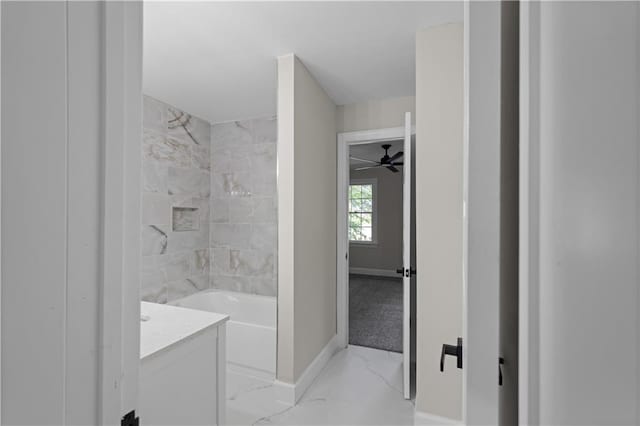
(162, 325)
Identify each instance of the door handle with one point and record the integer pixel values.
(406, 272)
(454, 351)
(500, 363)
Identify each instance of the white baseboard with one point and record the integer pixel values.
(426, 419)
(374, 272)
(290, 394)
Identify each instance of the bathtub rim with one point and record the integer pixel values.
(272, 299)
(216, 290)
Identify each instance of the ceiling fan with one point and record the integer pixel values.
(385, 161)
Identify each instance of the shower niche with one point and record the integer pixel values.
(185, 219)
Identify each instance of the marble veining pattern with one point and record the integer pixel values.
(243, 210)
(359, 386)
(165, 150)
(154, 240)
(176, 167)
(223, 176)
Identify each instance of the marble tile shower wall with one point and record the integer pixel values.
(175, 203)
(243, 206)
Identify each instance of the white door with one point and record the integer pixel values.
(580, 235)
(121, 222)
(485, 68)
(70, 300)
(406, 260)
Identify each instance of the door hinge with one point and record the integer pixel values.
(130, 419)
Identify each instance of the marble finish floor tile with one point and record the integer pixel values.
(359, 386)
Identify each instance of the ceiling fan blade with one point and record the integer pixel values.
(396, 155)
(393, 169)
(369, 167)
(364, 160)
(398, 164)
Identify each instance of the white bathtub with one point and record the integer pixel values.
(251, 330)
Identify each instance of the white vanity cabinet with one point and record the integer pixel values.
(183, 366)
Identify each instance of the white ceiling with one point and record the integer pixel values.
(217, 60)
(372, 151)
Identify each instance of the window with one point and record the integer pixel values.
(362, 211)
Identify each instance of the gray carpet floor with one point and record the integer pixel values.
(375, 312)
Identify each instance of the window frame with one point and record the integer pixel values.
(374, 210)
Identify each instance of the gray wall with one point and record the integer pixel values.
(243, 236)
(376, 114)
(175, 163)
(307, 221)
(439, 196)
(387, 253)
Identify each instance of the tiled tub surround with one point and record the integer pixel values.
(176, 173)
(243, 239)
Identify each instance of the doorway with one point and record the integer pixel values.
(376, 301)
(113, 319)
(375, 245)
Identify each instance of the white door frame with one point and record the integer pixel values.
(481, 194)
(407, 243)
(122, 170)
(345, 140)
(0, 215)
(528, 373)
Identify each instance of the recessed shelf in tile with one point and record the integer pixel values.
(185, 219)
